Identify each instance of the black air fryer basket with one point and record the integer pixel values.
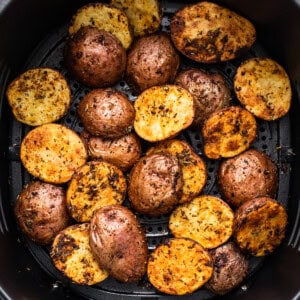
(32, 33)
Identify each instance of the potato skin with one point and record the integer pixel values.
(210, 92)
(230, 268)
(123, 152)
(151, 61)
(249, 175)
(155, 184)
(95, 57)
(119, 243)
(106, 112)
(41, 211)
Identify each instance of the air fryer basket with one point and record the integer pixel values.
(274, 138)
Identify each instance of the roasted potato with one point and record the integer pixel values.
(193, 167)
(264, 88)
(230, 268)
(39, 96)
(248, 175)
(94, 185)
(210, 91)
(106, 112)
(207, 32)
(155, 184)
(104, 17)
(71, 254)
(119, 243)
(152, 60)
(179, 266)
(260, 226)
(122, 152)
(52, 153)
(206, 219)
(144, 16)
(228, 132)
(41, 211)
(162, 112)
(94, 57)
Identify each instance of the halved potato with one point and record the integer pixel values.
(207, 32)
(179, 266)
(39, 96)
(163, 112)
(260, 225)
(193, 167)
(52, 153)
(264, 88)
(206, 219)
(94, 185)
(144, 16)
(103, 16)
(228, 132)
(71, 254)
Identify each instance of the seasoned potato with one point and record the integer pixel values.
(144, 15)
(260, 226)
(71, 254)
(95, 57)
(152, 60)
(119, 243)
(206, 219)
(122, 152)
(163, 112)
(230, 268)
(264, 88)
(248, 175)
(193, 167)
(105, 17)
(106, 112)
(206, 32)
(179, 266)
(52, 153)
(94, 185)
(155, 184)
(210, 92)
(228, 132)
(39, 96)
(41, 211)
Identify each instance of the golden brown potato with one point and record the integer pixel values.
(52, 153)
(94, 185)
(41, 211)
(206, 219)
(95, 57)
(206, 32)
(119, 243)
(264, 88)
(230, 268)
(260, 226)
(106, 112)
(152, 60)
(248, 175)
(104, 17)
(39, 96)
(162, 112)
(210, 91)
(179, 266)
(228, 132)
(122, 152)
(193, 167)
(71, 254)
(155, 184)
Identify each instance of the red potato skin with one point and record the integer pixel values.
(94, 57)
(41, 211)
(119, 243)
